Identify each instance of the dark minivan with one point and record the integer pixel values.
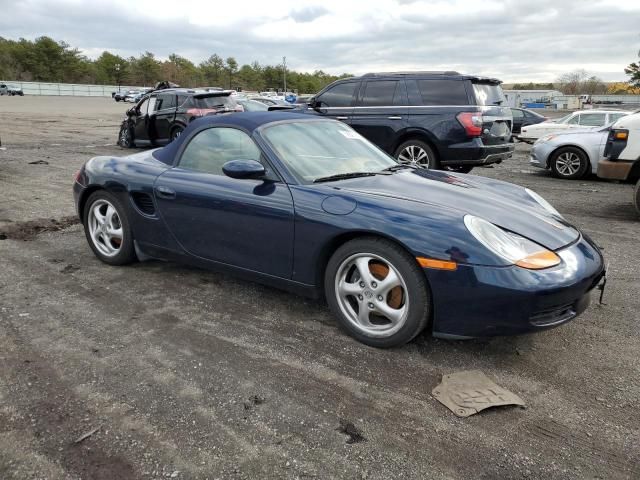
(434, 119)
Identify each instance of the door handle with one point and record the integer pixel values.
(342, 118)
(394, 118)
(165, 192)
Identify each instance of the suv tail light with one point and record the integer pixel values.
(472, 123)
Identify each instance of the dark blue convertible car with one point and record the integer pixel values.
(307, 204)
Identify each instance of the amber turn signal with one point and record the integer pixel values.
(621, 135)
(539, 260)
(437, 264)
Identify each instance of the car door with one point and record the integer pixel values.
(164, 116)
(337, 102)
(141, 133)
(240, 222)
(381, 112)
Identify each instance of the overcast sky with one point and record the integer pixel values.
(514, 40)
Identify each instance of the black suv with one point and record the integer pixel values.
(162, 115)
(434, 119)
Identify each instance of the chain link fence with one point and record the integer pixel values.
(68, 89)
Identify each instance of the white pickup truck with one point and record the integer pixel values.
(622, 154)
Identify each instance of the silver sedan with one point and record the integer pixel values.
(570, 155)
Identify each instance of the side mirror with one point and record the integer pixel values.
(313, 103)
(243, 169)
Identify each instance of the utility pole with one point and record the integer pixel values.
(118, 75)
(284, 73)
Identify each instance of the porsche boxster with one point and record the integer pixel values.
(307, 204)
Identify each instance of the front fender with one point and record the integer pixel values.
(423, 230)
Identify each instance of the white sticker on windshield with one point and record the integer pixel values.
(350, 134)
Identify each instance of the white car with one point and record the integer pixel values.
(571, 154)
(579, 119)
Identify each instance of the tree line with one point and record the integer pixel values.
(47, 60)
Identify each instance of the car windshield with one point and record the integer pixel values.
(488, 94)
(319, 149)
(564, 119)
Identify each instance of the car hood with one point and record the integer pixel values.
(581, 134)
(506, 205)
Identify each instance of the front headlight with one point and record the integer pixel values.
(513, 248)
(543, 203)
(546, 138)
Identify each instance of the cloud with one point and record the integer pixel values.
(508, 39)
(308, 14)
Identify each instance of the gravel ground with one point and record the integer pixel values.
(182, 373)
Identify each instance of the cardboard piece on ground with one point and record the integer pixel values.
(471, 391)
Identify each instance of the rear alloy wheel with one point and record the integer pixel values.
(417, 153)
(107, 229)
(570, 163)
(377, 292)
(176, 132)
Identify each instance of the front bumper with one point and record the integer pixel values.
(614, 170)
(78, 191)
(484, 301)
(539, 155)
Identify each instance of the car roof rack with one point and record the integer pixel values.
(425, 72)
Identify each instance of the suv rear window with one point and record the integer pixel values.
(443, 92)
(487, 94)
(217, 101)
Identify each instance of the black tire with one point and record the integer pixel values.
(569, 163)
(636, 197)
(175, 133)
(459, 168)
(125, 136)
(403, 155)
(417, 290)
(126, 253)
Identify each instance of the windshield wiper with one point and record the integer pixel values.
(342, 176)
(399, 166)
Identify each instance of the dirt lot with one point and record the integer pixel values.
(192, 374)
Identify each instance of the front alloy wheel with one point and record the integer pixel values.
(372, 294)
(570, 163)
(377, 292)
(125, 138)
